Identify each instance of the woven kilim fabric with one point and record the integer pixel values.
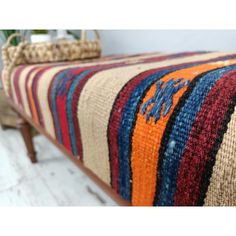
(159, 128)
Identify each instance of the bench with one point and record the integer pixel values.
(150, 129)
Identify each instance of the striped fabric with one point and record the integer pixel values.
(159, 128)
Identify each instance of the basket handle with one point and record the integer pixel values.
(15, 35)
(9, 64)
(84, 35)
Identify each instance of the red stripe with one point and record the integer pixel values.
(16, 84)
(62, 115)
(204, 134)
(50, 99)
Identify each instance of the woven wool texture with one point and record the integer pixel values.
(159, 128)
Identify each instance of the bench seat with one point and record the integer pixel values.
(159, 128)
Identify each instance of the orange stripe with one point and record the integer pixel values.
(31, 99)
(147, 137)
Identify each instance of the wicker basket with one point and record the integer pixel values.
(62, 50)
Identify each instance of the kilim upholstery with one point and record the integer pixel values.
(159, 128)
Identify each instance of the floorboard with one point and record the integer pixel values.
(53, 181)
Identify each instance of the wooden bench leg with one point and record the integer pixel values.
(25, 130)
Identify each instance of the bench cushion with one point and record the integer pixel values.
(160, 128)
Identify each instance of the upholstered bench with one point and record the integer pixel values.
(151, 129)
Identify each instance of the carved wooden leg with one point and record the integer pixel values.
(25, 130)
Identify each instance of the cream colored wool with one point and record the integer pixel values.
(222, 188)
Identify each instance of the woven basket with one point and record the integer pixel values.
(62, 50)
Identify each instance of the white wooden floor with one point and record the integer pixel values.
(53, 181)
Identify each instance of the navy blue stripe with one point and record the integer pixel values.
(69, 100)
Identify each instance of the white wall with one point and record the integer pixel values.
(136, 41)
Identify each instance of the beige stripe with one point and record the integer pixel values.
(95, 105)
(222, 188)
(44, 83)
